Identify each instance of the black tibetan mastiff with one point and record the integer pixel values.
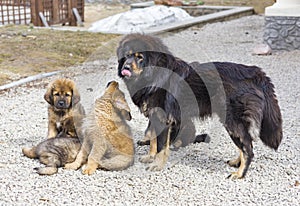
(170, 92)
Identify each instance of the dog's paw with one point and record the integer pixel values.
(46, 170)
(143, 142)
(155, 166)
(146, 159)
(234, 176)
(234, 163)
(72, 166)
(88, 170)
(29, 152)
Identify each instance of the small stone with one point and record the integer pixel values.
(262, 49)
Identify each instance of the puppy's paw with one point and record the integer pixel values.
(146, 158)
(72, 166)
(29, 152)
(46, 170)
(88, 170)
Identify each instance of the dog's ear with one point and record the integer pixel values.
(119, 101)
(111, 88)
(48, 96)
(75, 95)
(122, 105)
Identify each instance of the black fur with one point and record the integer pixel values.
(243, 96)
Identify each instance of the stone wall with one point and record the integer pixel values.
(115, 1)
(282, 32)
(258, 5)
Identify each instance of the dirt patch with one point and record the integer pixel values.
(26, 51)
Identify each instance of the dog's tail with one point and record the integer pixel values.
(271, 127)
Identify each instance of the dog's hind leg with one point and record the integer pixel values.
(244, 144)
(52, 162)
(98, 150)
(116, 163)
(29, 152)
(244, 127)
(48, 170)
(235, 162)
(80, 158)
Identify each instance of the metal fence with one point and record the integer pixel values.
(41, 12)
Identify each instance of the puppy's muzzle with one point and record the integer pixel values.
(61, 104)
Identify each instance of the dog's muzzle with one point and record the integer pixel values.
(126, 71)
(61, 104)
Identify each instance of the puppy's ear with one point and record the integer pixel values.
(48, 96)
(126, 115)
(111, 88)
(75, 95)
(122, 105)
(120, 102)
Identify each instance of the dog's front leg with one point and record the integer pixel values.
(52, 129)
(163, 149)
(151, 136)
(148, 136)
(156, 133)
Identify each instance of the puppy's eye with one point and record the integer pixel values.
(67, 94)
(55, 94)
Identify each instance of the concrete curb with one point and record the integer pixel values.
(232, 13)
(28, 79)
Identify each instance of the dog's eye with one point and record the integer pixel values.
(139, 57)
(67, 94)
(55, 94)
(128, 55)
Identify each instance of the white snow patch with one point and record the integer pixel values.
(138, 20)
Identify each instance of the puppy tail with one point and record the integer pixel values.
(271, 127)
(29, 152)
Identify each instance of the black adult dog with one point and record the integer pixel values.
(170, 92)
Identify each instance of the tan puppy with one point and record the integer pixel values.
(63, 98)
(107, 142)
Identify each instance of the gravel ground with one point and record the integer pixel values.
(195, 175)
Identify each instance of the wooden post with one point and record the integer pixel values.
(55, 11)
(82, 9)
(72, 20)
(36, 7)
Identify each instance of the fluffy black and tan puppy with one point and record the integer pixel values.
(175, 91)
(63, 98)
